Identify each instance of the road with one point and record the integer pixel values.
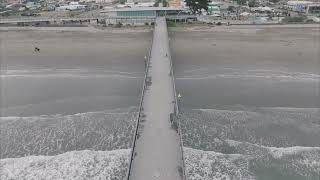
(158, 151)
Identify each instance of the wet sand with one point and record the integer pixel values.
(79, 92)
(250, 66)
(74, 72)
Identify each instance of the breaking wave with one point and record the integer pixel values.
(309, 153)
(294, 163)
(231, 73)
(252, 143)
(68, 73)
(279, 127)
(86, 164)
(56, 134)
(205, 165)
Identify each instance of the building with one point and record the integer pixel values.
(72, 7)
(175, 3)
(14, 1)
(32, 6)
(16, 7)
(313, 8)
(213, 8)
(299, 6)
(103, 1)
(145, 11)
(144, 4)
(307, 7)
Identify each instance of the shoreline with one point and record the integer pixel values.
(93, 29)
(150, 27)
(208, 27)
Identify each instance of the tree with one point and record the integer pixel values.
(156, 4)
(241, 2)
(274, 1)
(164, 3)
(197, 5)
(231, 8)
(252, 3)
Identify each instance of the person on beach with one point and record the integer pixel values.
(145, 61)
(36, 49)
(179, 99)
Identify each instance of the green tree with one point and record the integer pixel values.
(274, 1)
(196, 5)
(156, 4)
(252, 3)
(164, 3)
(241, 2)
(231, 9)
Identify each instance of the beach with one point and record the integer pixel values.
(247, 65)
(75, 71)
(73, 102)
(250, 100)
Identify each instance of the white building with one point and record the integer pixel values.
(299, 6)
(72, 7)
(313, 8)
(103, 1)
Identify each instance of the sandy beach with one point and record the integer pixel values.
(247, 65)
(249, 106)
(79, 92)
(77, 70)
(250, 101)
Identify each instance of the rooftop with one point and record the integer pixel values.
(147, 9)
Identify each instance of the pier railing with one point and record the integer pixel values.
(140, 111)
(177, 111)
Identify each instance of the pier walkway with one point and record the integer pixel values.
(157, 151)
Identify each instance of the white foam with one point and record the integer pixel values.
(277, 152)
(67, 73)
(218, 110)
(268, 74)
(191, 150)
(311, 77)
(271, 109)
(118, 111)
(195, 70)
(203, 165)
(70, 165)
(213, 165)
(310, 155)
(293, 109)
(280, 152)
